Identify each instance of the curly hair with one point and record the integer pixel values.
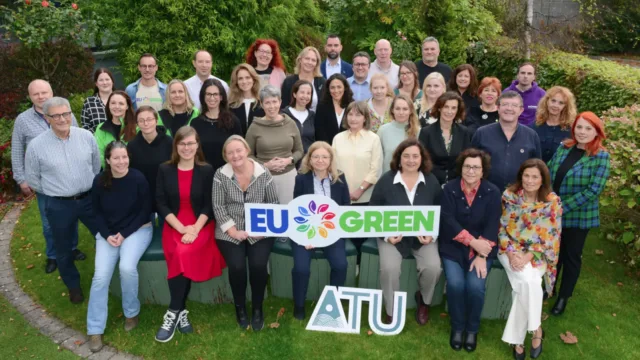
(426, 165)
(347, 97)
(485, 158)
(276, 59)
(567, 114)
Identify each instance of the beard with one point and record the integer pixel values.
(333, 55)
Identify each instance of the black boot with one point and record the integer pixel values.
(470, 342)
(559, 307)
(241, 316)
(455, 341)
(257, 320)
(299, 313)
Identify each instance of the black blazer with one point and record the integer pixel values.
(168, 196)
(444, 164)
(327, 123)
(339, 190)
(240, 113)
(287, 88)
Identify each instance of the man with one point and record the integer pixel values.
(383, 64)
(359, 82)
(28, 126)
(508, 142)
(333, 64)
(148, 90)
(429, 62)
(202, 62)
(62, 163)
(528, 89)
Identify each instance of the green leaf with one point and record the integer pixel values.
(303, 228)
(311, 233)
(631, 204)
(626, 192)
(627, 237)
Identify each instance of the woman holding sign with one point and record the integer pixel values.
(408, 183)
(319, 175)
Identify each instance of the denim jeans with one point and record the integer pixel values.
(335, 253)
(465, 295)
(50, 251)
(129, 253)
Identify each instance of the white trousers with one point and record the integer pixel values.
(526, 307)
(285, 184)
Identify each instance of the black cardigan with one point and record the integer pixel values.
(255, 110)
(287, 88)
(444, 164)
(327, 123)
(168, 195)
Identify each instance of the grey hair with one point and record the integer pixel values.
(362, 54)
(510, 94)
(55, 102)
(431, 39)
(270, 91)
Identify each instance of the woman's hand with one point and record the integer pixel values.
(480, 265)
(238, 235)
(191, 229)
(394, 239)
(425, 240)
(517, 261)
(309, 247)
(188, 238)
(356, 194)
(113, 240)
(482, 247)
(276, 164)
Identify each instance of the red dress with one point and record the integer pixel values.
(200, 260)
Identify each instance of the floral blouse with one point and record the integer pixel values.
(378, 120)
(532, 227)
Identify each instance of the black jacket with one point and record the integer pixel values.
(339, 189)
(444, 164)
(307, 129)
(168, 196)
(327, 123)
(287, 88)
(255, 110)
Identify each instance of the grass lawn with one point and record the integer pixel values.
(604, 314)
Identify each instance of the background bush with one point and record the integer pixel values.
(614, 25)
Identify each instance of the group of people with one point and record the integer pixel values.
(517, 174)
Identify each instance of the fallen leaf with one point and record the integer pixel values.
(619, 283)
(78, 342)
(30, 266)
(120, 315)
(280, 313)
(443, 315)
(569, 338)
(10, 319)
(545, 316)
(599, 252)
(274, 325)
(597, 327)
(369, 332)
(64, 294)
(614, 314)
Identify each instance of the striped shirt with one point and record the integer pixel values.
(322, 186)
(27, 126)
(229, 199)
(93, 113)
(57, 167)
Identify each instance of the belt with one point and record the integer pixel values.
(74, 197)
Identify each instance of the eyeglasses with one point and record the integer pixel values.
(320, 157)
(475, 168)
(189, 144)
(361, 64)
(57, 117)
(146, 121)
(405, 73)
(211, 95)
(147, 67)
(264, 52)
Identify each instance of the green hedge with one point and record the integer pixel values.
(598, 85)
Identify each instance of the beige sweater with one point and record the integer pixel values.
(268, 139)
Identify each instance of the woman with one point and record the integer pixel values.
(556, 112)
(408, 83)
(274, 141)
(487, 113)
(264, 56)
(529, 243)
(93, 109)
(380, 102)
(336, 96)
(183, 193)
(319, 175)
(299, 112)
(408, 183)
(465, 82)
(216, 123)
(405, 125)
(243, 95)
(121, 123)
(579, 171)
(470, 216)
(121, 202)
(446, 138)
(243, 180)
(178, 109)
(307, 68)
(434, 86)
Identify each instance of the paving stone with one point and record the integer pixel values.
(83, 350)
(63, 335)
(74, 342)
(26, 307)
(105, 354)
(52, 328)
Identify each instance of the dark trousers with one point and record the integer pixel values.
(570, 260)
(63, 216)
(236, 258)
(336, 254)
(465, 295)
(179, 287)
(357, 242)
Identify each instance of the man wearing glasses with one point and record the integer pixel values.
(147, 90)
(28, 125)
(61, 163)
(508, 142)
(359, 82)
(202, 62)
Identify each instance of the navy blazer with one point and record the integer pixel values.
(339, 189)
(482, 218)
(345, 69)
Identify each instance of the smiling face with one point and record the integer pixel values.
(379, 89)
(187, 148)
(212, 97)
(434, 89)
(59, 117)
(526, 75)
(202, 64)
(531, 180)
(119, 162)
(360, 68)
(584, 132)
(303, 95)
(271, 106)
(245, 81)
(39, 92)
(509, 110)
(320, 160)
(489, 95)
(556, 104)
(401, 111)
(148, 67)
(147, 122)
(407, 77)
(177, 95)
(355, 120)
(333, 48)
(472, 170)
(410, 159)
(264, 55)
(308, 62)
(463, 79)
(383, 51)
(336, 89)
(430, 52)
(104, 83)
(118, 106)
(449, 111)
(236, 153)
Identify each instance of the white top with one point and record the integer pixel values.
(391, 73)
(339, 117)
(334, 69)
(194, 84)
(314, 100)
(411, 194)
(300, 115)
(247, 108)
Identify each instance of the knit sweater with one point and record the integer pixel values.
(391, 135)
(269, 139)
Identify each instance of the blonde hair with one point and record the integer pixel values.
(424, 101)
(381, 77)
(305, 165)
(567, 115)
(413, 124)
(167, 102)
(316, 71)
(235, 94)
(229, 140)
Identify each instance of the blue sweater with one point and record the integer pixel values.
(123, 208)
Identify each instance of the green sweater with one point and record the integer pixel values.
(391, 135)
(268, 139)
(103, 138)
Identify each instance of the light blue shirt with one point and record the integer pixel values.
(333, 69)
(361, 91)
(322, 187)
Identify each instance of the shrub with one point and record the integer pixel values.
(7, 184)
(614, 25)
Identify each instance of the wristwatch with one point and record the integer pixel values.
(361, 188)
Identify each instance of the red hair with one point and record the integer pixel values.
(595, 145)
(276, 60)
(490, 81)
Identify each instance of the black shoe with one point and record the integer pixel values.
(257, 320)
(559, 307)
(78, 255)
(299, 313)
(51, 266)
(184, 326)
(168, 328)
(455, 340)
(521, 356)
(535, 352)
(470, 342)
(241, 316)
(76, 296)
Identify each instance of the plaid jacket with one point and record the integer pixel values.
(581, 187)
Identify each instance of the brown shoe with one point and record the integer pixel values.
(95, 343)
(388, 319)
(76, 296)
(422, 311)
(130, 323)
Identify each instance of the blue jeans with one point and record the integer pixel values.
(336, 254)
(129, 253)
(46, 229)
(465, 295)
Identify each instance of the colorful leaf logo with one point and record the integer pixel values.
(315, 209)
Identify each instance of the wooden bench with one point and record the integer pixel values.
(281, 263)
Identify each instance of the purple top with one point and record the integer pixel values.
(530, 99)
